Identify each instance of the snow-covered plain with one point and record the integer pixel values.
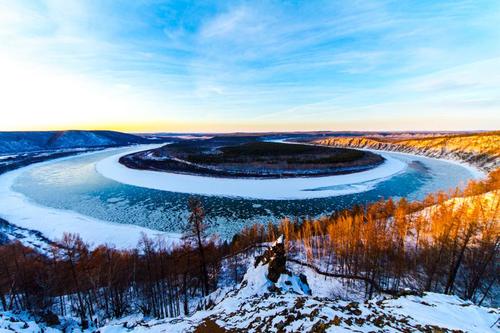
(268, 189)
(53, 223)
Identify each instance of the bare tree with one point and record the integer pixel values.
(196, 233)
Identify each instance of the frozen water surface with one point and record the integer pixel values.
(74, 184)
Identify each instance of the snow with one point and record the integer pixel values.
(10, 323)
(299, 313)
(286, 312)
(293, 284)
(252, 307)
(53, 223)
(323, 286)
(280, 240)
(270, 189)
(443, 310)
(4, 157)
(27, 237)
(475, 172)
(255, 281)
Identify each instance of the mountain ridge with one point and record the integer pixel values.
(15, 142)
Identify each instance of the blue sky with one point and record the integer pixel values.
(250, 66)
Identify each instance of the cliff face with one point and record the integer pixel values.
(481, 150)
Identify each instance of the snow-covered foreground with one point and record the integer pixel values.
(258, 305)
(297, 313)
(290, 305)
(53, 223)
(269, 189)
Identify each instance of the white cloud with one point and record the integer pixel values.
(84, 60)
(230, 24)
(483, 75)
(47, 97)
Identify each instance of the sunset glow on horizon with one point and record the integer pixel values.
(162, 66)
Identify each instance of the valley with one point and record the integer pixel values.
(249, 166)
(86, 200)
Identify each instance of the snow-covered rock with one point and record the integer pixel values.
(288, 312)
(269, 274)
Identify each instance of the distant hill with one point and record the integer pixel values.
(15, 142)
(480, 149)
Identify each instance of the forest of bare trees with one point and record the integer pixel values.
(447, 243)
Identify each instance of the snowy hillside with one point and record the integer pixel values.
(266, 301)
(272, 299)
(14, 142)
(288, 312)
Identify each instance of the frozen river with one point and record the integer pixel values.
(75, 185)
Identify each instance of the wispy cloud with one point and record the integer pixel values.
(267, 62)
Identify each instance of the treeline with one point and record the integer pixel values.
(105, 283)
(438, 244)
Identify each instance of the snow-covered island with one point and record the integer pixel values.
(250, 157)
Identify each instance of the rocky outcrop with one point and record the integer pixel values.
(269, 274)
(275, 258)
